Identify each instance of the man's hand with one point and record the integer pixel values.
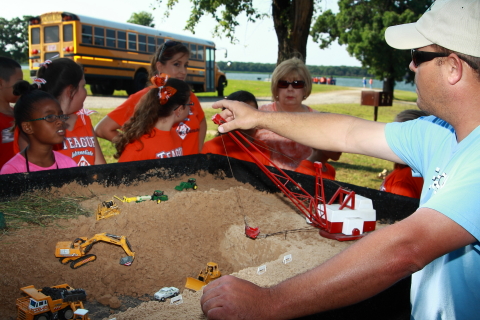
(238, 115)
(232, 298)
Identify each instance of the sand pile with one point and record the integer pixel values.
(171, 240)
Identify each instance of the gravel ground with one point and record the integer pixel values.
(344, 96)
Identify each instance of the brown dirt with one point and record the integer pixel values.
(172, 240)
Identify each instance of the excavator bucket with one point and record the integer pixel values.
(126, 261)
(194, 284)
(251, 232)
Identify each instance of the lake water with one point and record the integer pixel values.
(345, 82)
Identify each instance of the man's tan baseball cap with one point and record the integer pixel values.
(452, 24)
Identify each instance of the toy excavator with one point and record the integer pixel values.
(340, 221)
(76, 252)
(210, 273)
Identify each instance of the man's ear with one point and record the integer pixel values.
(454, 68)
(27, 127)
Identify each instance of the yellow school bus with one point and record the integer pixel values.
(116, 56)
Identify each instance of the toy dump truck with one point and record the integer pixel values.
(190, 184)
(210, 273)
(57, 302)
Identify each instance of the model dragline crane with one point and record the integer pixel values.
(349, 219)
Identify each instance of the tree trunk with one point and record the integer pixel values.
(388, 84)
(292, 19)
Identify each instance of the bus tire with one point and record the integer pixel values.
(140, 80)
(94, 89)
(106, 89)
(220, 87)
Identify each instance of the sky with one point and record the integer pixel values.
(257, 42)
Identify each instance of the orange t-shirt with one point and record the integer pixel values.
(157, 145)
(400, 181)
(6, 147)
(307, 167)
(226, 146)
(188, 130)
(79, 143)
(285, 153)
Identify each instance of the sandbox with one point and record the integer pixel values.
(174, 239)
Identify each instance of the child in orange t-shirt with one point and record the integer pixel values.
(10, 73)
(224, 145)
(171, 58)
(328, 171)
(148, 134)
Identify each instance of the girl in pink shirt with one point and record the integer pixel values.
(39, 116)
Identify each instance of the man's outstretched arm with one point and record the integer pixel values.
(325, 131)
(364, 269)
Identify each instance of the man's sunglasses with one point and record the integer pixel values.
(419, 57)
(167, 44)
(297, 84)
(52, 118)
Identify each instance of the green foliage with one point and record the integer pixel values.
(14, 38)
(142, 18)
(361, 26)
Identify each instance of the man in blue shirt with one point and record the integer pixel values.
(438, 244)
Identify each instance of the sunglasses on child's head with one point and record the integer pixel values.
(297, 84)
(52, 118)
(167, 44)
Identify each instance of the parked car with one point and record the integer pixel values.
(165, 293)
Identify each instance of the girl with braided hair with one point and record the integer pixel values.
(148, 134)
(39, 116)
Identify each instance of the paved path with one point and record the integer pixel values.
(351, 95)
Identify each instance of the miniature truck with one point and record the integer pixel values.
(57, 302)
(158, 196)
(190, 184)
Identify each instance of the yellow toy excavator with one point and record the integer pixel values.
(210, 273)
(76, 252)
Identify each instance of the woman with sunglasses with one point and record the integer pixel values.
(171, 58)
(148, 133)
(38, 115)
(291, 84)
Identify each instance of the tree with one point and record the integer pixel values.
(142, 18)
(14, 38)
(292, 19)
(361, 24)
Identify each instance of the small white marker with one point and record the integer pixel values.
(176, 300)
(262, 269)
(287, 258)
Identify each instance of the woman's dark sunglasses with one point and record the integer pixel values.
(297, 84)
(419, 57)
(52, 118)
(167, 44)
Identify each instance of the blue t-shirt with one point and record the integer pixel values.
(448, 287)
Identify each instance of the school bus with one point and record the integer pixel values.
(116, 56)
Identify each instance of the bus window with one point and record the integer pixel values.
(142, 42)
(35, 35)
(122, 39)
(111, 38)
(50, 55)
(51, 34)
(68, 32)
(99, 36)
(160, 41)
(86, 34)
(151, 44)
(200, 55)
(132, 41)
(193, 51)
